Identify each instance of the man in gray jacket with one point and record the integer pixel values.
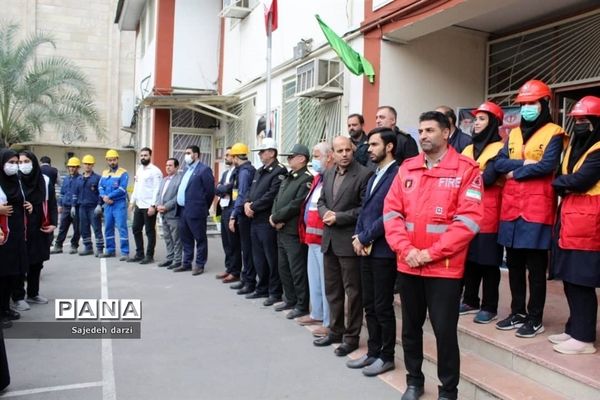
(166, 205)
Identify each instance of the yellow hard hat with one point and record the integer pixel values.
(73, 162)
(111, 154)
(239, 149)
(88, 159)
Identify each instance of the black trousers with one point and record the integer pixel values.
(342, 278)
(292, 263)
(248, 272)
(474, 275)
(264, 254)
(519, 262)
(231, 244)
(141, 219)
(7, 285)
(4, 374)
(33, 283)
(583, 312)
(440, 297)
(378, 277)
(65, 221)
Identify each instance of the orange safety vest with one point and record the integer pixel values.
(312, 231)
(580, 212)
(492, 197)
(531, 199)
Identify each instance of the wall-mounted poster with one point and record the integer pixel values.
(512, 118)
(261, 127)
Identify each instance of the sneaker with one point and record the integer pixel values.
(73, 250)
(530, 329)
(559, 338)
(465, 309)
(56, 250)
(86, 252)
(513, 321)
(574, 346)
(21, 305)
(484, 317)
(37, 300)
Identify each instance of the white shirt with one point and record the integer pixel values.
(146, 186)
(224, 201)
(380, 172)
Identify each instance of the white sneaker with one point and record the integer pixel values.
(37, 300)
(573, 346)
(559, 338)
(21, 305)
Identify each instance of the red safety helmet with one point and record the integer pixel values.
(491, 108)
(589, 105)
(532, 91)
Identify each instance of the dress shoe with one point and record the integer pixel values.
(361, 362)
(295, 313)
(165, 263)
(147, 260)
(320, 331)
(245, 290)
(257, 295)
(182, 268)
(230, 279)
(327, 341)
(284, 306)
(413, 392)
(107, 255)
(222, 275)
(197, 271)
(271, 300)
(378, 367)
(237, 286)
(86, 252)
(344, 349)
(308, 320)
(135, 259)
(174, 266)
(11, 315)
(6, 323)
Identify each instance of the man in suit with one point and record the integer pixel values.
(339, 205)
(378, 261)
(458, 139)
(229, 239)
(48, 170)
(194, 197)
(166, 205)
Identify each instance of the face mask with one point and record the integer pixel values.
(317, 166)
(581, 129)
(530, 112)
(145, 162)
(11, 169)
(188, 159)
(26, 168)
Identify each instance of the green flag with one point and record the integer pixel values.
(355, 62)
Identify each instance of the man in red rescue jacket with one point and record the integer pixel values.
(431, 213)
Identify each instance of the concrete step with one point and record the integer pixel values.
(499, 364)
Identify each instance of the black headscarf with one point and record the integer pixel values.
(488, 135)
(528, 128)
(10, 184)
(582, 142)
(34, 185)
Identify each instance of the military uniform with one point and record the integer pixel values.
(292, 254)
(265, 186)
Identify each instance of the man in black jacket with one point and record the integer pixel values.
(406, 146)
(265, 186)
(359, 138)
(457, 139)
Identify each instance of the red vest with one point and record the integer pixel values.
(312, 231)
(580, 213)
(530, 199)
(492, 198)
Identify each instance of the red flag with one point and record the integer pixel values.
(270, 8)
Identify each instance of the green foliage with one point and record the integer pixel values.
(38, 91)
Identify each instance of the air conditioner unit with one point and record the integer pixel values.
(239, 9)
(319, 78)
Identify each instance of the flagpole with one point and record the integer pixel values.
(268, 111)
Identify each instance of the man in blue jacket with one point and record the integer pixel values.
(194, 197)
(113, 191)
(378, 261)
(90, 208)
(67, 208)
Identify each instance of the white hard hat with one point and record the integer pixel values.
(267, 144)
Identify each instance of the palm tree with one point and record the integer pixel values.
(39, 91)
